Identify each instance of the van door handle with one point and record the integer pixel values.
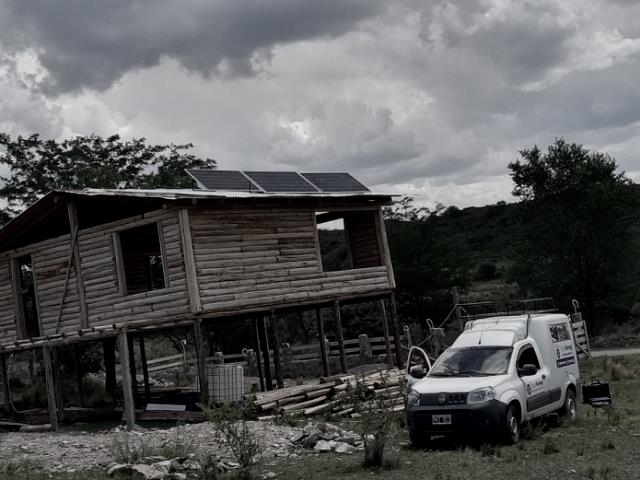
(544, 376)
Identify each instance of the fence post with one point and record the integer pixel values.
(407, 334)
(365, 346)
(218, 358)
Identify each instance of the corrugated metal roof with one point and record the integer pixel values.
(176, 194)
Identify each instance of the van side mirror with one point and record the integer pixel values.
(417, 371)
(527, 370)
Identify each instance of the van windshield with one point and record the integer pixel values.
(472, 361)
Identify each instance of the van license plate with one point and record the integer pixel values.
(441, 419)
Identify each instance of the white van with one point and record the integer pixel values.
(499, 373)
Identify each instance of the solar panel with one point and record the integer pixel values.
(222, 180)
(281, 182)
(335, 182)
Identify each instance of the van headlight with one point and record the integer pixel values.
(413, 399)
(481, 395)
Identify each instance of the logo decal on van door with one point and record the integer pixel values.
(559, 332)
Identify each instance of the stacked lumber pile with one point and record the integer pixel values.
(330, 396)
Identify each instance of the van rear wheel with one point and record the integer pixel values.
(511, 426)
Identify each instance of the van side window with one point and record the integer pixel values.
(528, 356)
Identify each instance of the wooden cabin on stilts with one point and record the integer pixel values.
(111, 266)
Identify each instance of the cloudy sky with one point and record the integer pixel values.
(430, 97)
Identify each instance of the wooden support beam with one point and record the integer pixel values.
(384, 246)
(127, 392)
(132, 368)
(145, 368)
(256, 326)
(77, 366)
(343, 356)
(396, 332)
(51, 389)
(109, 352)
(385, 330)
(189, 261)
(326, 370)
(16, 287)
(264, 346)
(77, 264)
(4, 379)
(277, 357)
(202, 366)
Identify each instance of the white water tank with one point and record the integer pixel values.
(226, 383)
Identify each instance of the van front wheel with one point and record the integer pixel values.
(512, 426)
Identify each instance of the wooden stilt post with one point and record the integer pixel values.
(57, 383)
(202, 366)
(277, 358)
(256, 326)
(127, 391)
(326, 370)
(396, 332)
(109, 352)
(132, 367)
(264, 346)
(4, 379)
(145, 368)
(455, 297)
(343, 356)
(51, 389)
(385, 330)
(78, 371)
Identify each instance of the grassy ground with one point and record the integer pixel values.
(601, 444)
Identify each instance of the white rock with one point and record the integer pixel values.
(342, 447)
(324, 446)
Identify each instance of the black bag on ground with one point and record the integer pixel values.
(596, 392)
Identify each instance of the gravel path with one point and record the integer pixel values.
(69, 452)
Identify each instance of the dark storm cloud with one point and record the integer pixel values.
(91, 44)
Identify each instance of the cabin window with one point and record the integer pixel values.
(348, 240)
(143, 265)
(26, 287)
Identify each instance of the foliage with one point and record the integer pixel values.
(231, 421)
(578, 230)
(129, 447)
(37, 166)
(376, 420)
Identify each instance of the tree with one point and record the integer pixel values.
(578, 234)
(37, 166)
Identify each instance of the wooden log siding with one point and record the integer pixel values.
(7, 311)
(253, 258)
(105, 302)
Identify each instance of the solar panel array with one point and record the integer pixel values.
(277, 182)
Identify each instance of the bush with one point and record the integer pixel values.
(376, 421)
(231, 421)
(130, 448)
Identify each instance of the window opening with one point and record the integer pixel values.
(143, 263)
(28, 295)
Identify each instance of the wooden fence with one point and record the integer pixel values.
(364, 347)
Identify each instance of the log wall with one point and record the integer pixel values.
(263, 257)
(7, 314)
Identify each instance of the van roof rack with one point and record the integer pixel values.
(476, 310)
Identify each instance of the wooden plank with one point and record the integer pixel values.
(201, 356)
(127, 391)
(343, 357)
(264, 346)
(16, 283)
(273, 326)
(4, 379)
(258, 351)
(145, 368)
(77, 264)
(326, 370)
(385, 329)
(119, 260)
(51, 389)
(163, 254)
(189, 261)
(132, 367)
(382, 239)
(396, 332)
